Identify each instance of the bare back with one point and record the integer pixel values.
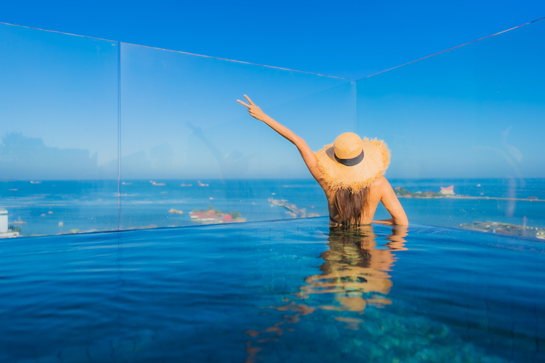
(379, 191)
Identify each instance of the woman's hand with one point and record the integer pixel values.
(306, 153)
(254, 110)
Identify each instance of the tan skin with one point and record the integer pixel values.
(380, 190)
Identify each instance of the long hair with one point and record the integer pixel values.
(350, 206)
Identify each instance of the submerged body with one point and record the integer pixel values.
(347, 205)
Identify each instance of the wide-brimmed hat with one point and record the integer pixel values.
(352, 163)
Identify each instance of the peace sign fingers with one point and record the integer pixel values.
(242, 103)
(253, 109)
(249, 100)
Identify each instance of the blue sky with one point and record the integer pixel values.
(476, 111)
(472, 112)
(344, 38)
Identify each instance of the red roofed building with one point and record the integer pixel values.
(208, 216)
(448, 190)
(227, 218)
(211, 216)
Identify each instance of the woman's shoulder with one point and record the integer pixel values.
(380, 183)
(381, 187)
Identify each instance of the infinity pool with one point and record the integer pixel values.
(290, 291)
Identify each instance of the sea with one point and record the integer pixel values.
(63, 206)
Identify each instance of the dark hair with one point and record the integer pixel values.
(350, 206)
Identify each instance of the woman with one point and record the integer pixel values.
(350, 171)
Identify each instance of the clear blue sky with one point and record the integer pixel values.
(476, 111)
(179, 118)
(344, 38)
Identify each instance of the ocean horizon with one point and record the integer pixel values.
(61, 206)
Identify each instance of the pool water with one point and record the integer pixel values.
(289, 291)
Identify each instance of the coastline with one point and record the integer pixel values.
(469, 197)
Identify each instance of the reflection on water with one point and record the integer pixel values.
(189, 294)
(356, 272)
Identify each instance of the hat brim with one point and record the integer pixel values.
(358, 177)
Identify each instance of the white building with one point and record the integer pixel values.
(4, 233)
(3, 220)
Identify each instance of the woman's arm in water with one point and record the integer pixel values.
(304, 150)
(392, 205)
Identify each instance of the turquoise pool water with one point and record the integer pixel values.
(289, 291)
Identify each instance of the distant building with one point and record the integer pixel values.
(447, 190)
(4, 229)
(215, 216)
(3, 221)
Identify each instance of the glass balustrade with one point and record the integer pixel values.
(101, 135)
(465, 128)
(58, 132)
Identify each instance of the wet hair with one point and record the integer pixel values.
(350, 206)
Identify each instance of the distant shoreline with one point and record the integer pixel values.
(468, 197)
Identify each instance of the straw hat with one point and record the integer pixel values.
(351, 163)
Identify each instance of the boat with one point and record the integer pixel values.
(35, 182)
(13, 190)
(158, 184)
(202, 184)
(18, 221)
(126, 183)
(186, 185)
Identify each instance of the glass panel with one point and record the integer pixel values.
(187, 145)
(471, 118)
(58, 146)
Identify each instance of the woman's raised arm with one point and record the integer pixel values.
(304, 150)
